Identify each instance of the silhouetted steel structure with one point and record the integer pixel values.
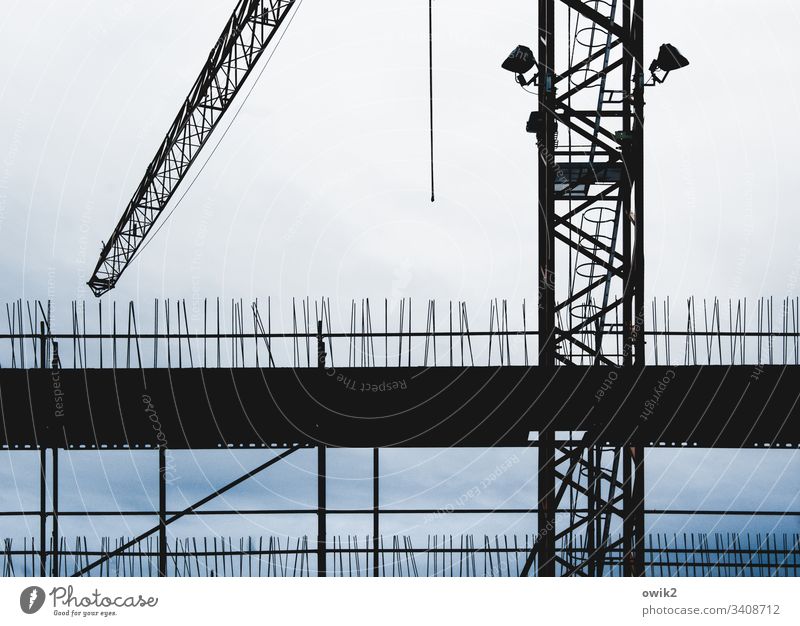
(590, 419)
(117, 374)
(591, 247)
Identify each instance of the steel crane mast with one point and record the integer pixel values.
(246, 35)
(591, 224)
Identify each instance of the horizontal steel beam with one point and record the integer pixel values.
(711, 406)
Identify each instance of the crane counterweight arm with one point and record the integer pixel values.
(245, 37)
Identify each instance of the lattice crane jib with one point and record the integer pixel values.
(246, 35)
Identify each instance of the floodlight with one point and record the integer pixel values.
(520, 61)
(669, 58)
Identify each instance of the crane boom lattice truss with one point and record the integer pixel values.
(591, 226)
(246, 35)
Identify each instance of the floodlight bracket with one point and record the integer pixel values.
(522, 82)
(655, 79)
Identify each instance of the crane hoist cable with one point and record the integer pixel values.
(430, 76)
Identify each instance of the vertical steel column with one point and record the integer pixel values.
(633, 188)
(545, 539)
(376, 529)
(639, 487)
(627, 504)
(162, 511)
(630, 287)
(42, 474)
(637, 511)
(634, 521)
(626, 184)
(546, 148)
(547, 316)
(594, 500)
(322, 531)
(637, 32)
(55, 557)
(43, 512)
(322, 549)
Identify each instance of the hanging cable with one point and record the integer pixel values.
(430, 73)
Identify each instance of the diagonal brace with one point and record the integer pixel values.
(187, 511)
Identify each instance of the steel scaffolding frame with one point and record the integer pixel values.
(764, 557)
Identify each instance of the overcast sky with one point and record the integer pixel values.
(321, 186)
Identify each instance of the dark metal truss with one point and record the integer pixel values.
(589, 139)
(244, 38)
